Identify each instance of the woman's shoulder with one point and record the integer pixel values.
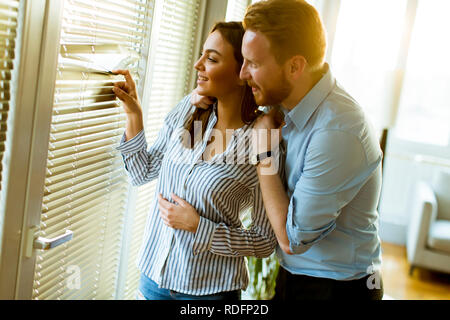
(178, 115)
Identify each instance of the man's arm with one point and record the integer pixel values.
(275, 199)
(335, 168)
(276, 203)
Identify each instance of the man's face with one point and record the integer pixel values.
(262, 72)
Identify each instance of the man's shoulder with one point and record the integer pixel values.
(340, 112)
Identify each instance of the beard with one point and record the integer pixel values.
(275, 94)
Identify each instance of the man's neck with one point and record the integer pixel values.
(302, 87)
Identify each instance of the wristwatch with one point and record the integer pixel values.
(255, 159)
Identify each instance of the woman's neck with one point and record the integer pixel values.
(229, 111)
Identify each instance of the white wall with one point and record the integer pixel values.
(405, 164)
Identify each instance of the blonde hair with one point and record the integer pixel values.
(293, 27)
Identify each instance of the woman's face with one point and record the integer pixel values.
(217, 68)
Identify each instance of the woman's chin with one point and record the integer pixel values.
(202, 91)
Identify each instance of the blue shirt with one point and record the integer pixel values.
(220, 189)
(333, 172)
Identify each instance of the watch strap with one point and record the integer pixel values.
(257, 158)
(264, 155)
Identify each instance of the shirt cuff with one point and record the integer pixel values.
(300, 240)
(135, 144)
(203, 236)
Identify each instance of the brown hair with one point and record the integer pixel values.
(233, 33)
(293, 27)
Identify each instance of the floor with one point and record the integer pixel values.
(422, 285)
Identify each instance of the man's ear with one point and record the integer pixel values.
(297, 66)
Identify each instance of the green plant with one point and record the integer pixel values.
(262, 272)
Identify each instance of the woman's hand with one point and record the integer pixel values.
(127, 93)
(178, 216)
(202, 102)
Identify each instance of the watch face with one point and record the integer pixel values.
(253, 159)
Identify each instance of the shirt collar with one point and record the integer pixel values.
(301, 113)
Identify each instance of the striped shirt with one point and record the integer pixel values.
(220, 189)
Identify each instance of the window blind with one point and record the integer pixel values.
(86, 187)
(172, 66)
(8, 26)
(236, 10)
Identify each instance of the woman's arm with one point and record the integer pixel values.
(127, 93)
(219, 238)
(141, 164)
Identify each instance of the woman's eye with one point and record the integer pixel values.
(211, 59)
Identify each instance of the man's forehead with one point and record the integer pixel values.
(255, 45)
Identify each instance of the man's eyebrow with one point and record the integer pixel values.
(250, 61)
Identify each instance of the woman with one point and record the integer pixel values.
(194, 243)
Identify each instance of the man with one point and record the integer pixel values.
(326, 222)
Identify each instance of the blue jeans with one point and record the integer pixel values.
(149, 290)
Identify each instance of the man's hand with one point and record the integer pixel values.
(178, 216)
(202, 102)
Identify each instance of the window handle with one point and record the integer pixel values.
(46, 244)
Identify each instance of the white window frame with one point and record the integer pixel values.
(28, 142)
(27, 145)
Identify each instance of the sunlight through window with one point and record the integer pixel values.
(366, 50)
(424, 114)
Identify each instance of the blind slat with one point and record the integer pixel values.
(76, 176)
(55, 199)
(80, 206)
(9, 10)
(74, 151)
(80, 223)
(78, 215)
(173, 63)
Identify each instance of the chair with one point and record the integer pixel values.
(428, 239)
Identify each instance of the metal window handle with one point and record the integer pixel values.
(45, 244)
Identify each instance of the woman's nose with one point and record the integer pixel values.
(199, 64)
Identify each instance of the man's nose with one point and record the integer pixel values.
(243, 74)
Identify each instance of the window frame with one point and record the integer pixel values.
(27, 154)
(28, 143)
